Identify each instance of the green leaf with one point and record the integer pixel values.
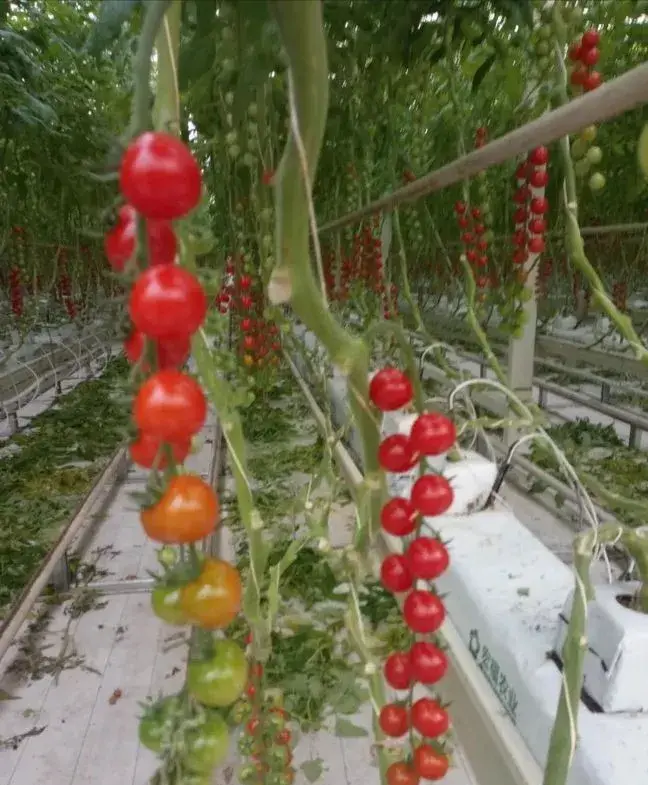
(112, 15)
(481, 72)
(347, 730)
(312, 769)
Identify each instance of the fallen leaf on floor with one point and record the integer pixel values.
(115, 697)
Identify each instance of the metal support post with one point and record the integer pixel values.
(12, 422)
(61, 577)
(605, 393)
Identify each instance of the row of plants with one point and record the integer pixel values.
(46, 470)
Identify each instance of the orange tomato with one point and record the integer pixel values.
(213, 600)
(187, 512)
(248, 360)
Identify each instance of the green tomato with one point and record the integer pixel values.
(166, 605)
(597, 181)
(207, 745)
(220, 679)
(595, 155)
(578, 148)
(156, 724)
(582, 167)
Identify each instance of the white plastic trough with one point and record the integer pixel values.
(505, 592)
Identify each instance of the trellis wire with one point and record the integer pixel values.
(610, 100)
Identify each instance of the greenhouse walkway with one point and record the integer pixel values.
(73, 682)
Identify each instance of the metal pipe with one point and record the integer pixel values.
(610, 100)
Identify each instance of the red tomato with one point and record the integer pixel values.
(390, 389)
(395, 574)
(592, 81)
(537, 226)
(590, 57)
(167, 302)
(119, 243)
(430, 764)
(394, 720)
(539, 178)
(428, 662)
(170, 406)
(536, 245)
(398, 670)
(159, 176)
(539, 206)
(539, 156)
(423, 611)
(432, 434)
(432, 494)
(401, 773)
(429, 718)
(170, 352)
(147, 448)
(590, 39)
(395, 454)
(245, 282)
(427, 558)
(575, 52)
(398, 517)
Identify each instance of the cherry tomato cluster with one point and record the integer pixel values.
(161, 183)
(16, 292)
(542, 281)
(585, 54)
(241, 293)
(620, 295)
(530, 224)
(425, 558)
(473, 238)
(266, 742)
(586, 155)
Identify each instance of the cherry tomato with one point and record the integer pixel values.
(432, 494)
(395, 574)
(423, 611)
(147, 450)
(167, 302)
(187, 512)
(428, 662)
(170, 406)
(430, 764)
(159, 176)
(401, 773)
(590, 39)
(283, 737)
(390, 389)
(432, 434)
(427, 558)
(157, 722)
(398, 670)
(592, 81)
(539, 156)
(220, 679)
(119, 243)
(169, 352)
(213, 600)
(539, 206)
(395, 454)
(207, 744)
(429, 718)
(539, 178)
(536, 245)
(394, 720)
(398, 517)
(166, 605)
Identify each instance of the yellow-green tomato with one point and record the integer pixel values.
(166, 605)
(219, 680)
(208, 744)
(597, 181)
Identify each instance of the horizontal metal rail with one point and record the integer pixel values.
(475, 707)
(610, 100)
(98, 496)
(637, 423)
(549, 347)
